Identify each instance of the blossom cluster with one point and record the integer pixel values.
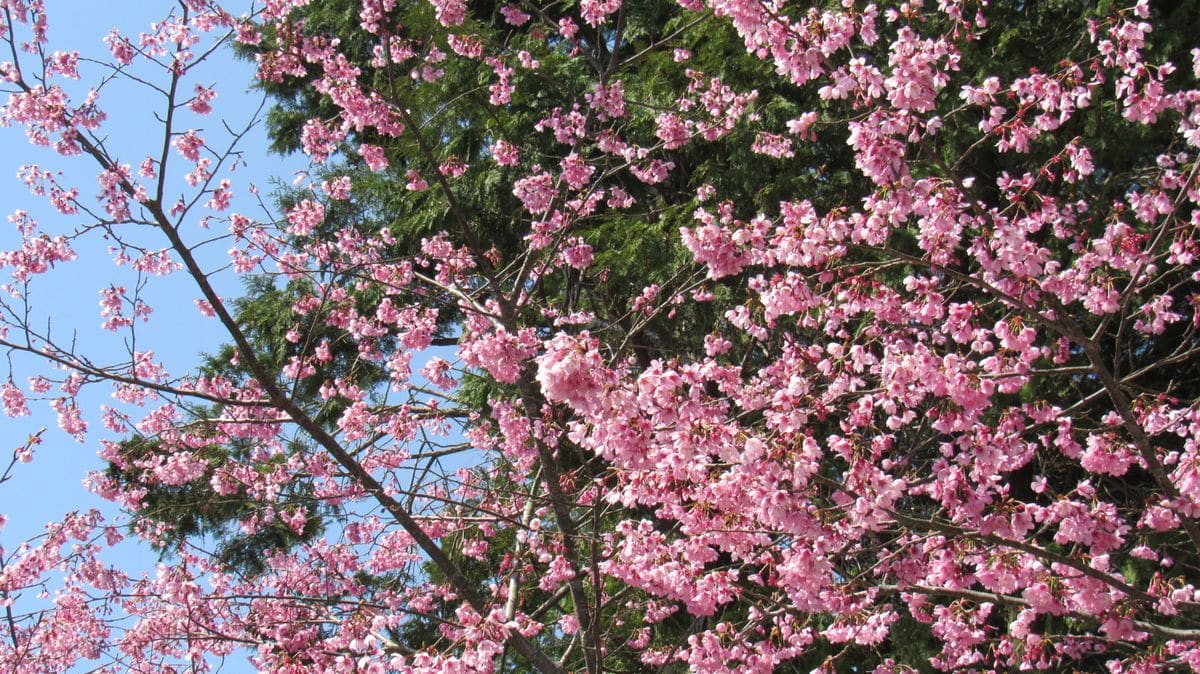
(924, 364)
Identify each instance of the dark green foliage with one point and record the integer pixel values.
(198, 515)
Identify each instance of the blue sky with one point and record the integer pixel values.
(66, 298)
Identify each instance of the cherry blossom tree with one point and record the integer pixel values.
(911, 355)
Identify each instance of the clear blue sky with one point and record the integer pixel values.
(66, 298)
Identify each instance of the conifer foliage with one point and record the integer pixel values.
(603, 336)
